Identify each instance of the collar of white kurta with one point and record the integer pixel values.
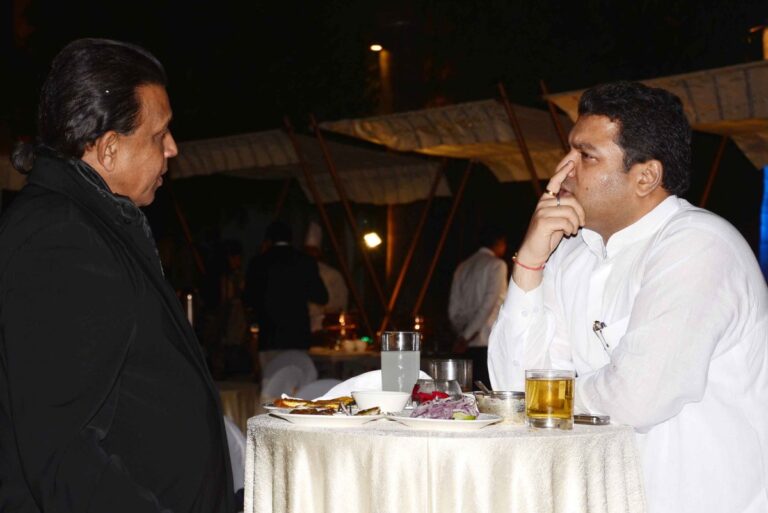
(640, 229)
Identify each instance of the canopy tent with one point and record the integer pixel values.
(369, 176)
(731, 101)
(478, 130)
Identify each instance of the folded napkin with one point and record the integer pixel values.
(367, 381)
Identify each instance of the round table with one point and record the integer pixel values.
(384, 466)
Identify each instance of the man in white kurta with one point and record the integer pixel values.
(477, 290)
(684, 358)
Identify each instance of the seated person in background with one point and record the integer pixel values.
(278, 285)
(659, 306)
(477, 290)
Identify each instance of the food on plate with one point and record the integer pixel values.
(456, 409)
(370, 411)
(295, 402)
(313, 411)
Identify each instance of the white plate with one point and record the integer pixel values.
(484, 419)
(271, 407)
(336, 420)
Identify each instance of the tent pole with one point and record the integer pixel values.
(282, 198)
(713, 171)
(520, 141)
(330, 164)
(390, 256)
(185, 227)
(327, 222)
(412, 248)
(555, 118)
(456, 201)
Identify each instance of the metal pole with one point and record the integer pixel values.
(348, 211)
(327, 222)
(412, 249)
(520, 141)
(713, 171)
(555, 118)
(456, 201)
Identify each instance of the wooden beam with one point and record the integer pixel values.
(713, 171)
(327, 222)
(331, 165)
(412, 249)
(454, 207)
(555, 118)
(520, 141)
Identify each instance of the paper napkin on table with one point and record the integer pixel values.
(367, 381)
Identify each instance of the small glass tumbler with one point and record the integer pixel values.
(549, 398)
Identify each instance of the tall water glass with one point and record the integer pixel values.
(400, 352)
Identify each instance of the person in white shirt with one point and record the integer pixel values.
(675, 292)
(338, 293)
(478, 288)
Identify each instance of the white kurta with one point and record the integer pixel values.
(337, 296)
(686, 313)
(477, 291)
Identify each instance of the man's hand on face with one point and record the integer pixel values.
(555, 217)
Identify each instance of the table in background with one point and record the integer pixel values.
(343, 364)
(240, 400)
(384, 466)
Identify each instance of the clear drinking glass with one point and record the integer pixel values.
(429, 389)
(453, 368)
(549, 398)
(400, 353)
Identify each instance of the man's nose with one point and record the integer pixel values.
(171, 150)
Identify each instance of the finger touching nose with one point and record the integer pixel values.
(560, 175)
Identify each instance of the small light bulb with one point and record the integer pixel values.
(376, 48)
(372, 239)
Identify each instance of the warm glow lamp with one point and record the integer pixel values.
(376, 48)
(372, 239)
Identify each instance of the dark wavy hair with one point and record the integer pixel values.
(90, 90)
(652, 125)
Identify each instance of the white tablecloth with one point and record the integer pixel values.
(389, 468)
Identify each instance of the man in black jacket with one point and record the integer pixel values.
(105, 401)
(279, 284)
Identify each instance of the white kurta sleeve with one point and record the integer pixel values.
(493, 288)
(675, 329)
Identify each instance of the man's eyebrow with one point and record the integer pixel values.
(579, 145)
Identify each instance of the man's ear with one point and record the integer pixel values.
(104, 150)
(649, 177)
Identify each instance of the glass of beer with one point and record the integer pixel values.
(400, 358)
(549, 398)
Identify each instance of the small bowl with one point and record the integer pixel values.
(388, 402)
(509, 405)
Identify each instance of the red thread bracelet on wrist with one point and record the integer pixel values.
(518, 262)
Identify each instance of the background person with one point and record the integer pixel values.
(105, 400)
(477, 291)
(278, 285)
(681, 349)
(338, 294)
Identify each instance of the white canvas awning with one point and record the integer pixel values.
(477, 130)
(368, 176)
(729, 101)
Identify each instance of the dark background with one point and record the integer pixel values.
(240, 66)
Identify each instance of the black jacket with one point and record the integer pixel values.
(105, 401)
(278, 286)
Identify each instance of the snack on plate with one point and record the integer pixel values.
(370, 411)
(457, 409)
(295, 402)
(313, 411)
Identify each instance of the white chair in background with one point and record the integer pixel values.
(236, 443)
(286, 380)
(317, 388)
(297, 358)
